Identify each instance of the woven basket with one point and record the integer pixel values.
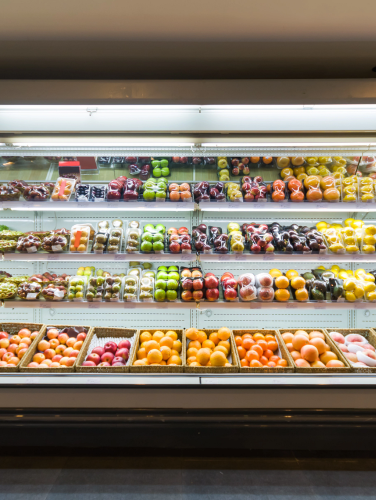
(290, 368)
(369, 334)
(333, 347)
(103, 333)
(158, 369)
(13, 329)
(29, 355)
(215, 369)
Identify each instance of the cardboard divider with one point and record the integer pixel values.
(13, 328)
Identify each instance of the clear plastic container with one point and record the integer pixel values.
(36, 193)
(28, 244)
(350, 240)
(29, 291)
(166, 290)
(55, 243)
(131, 287)
(100, 242)
(247, 287)
(178, 243)
(264, 280)
(115, 240)
(79, 238)
(333, 240)
(113, 289)
(353, 290)
(265, 294)
(95, 289)
(146, 290)
(180, 192)
(133, 240)
(63, 189)
(366, 190)
(54, 292)
(98, 193)
(77, 288)
(82, 193)
(349, 188)
(368, 243)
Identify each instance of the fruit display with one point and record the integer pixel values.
(261, 351)
(133, 237)
(233, 192)
(58, 349)
(254, 189)
(54, 243)
(288, 239)
(54, 292)
(159, 350)
(349, 237)
(108, 352)
(152, 238)
(313, 349)
(160, 167)
(230, 287)
(63, 189)
(95, 289)
(79, 238)
(155, 189)
(76, 290)
(166, 285)
(9, 193)
(36, 193)
(29, 244)
(180, 192)
(210, 350)
(356, 347)
(15, 341)
(178, 240)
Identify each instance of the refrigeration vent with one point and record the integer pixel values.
(26, 315)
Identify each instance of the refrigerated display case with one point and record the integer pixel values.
(205, 151)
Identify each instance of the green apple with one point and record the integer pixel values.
(160, 194)
(164, 163)
(147, 237)
(172, 268)
(172, 284)
(146, 246)
(71, 296)
(173, 276)
(155, 163)
(162, 268)
(157, 172)
(149, 194)
(159, 295)
(163, 179)
(161, 284)
(160, 228)
(162, 275)
(158, 246)
(172, 294)
(165, 171)
(149, 228)
(158, 237)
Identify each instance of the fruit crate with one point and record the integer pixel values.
(369, 334)
(104, 333)
(284, 354)
(43, 335)
(13, 329)
(333, 347)
(158, 369)
(215, 369)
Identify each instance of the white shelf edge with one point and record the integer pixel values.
(287, 207)
(58, 206)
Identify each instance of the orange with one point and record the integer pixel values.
(166, 341)
(299, 171)
(281, 282)
(224, 333)
(274, 273)
(158, 336)
(225, 344)
(203, 356)
(196, 344)
(208, 343)
(271, 364)
(272, 345)
(192, 351)
(255, 364)
(214, 337)
(247, 343)
(154, 356)
(222, 349)
(282, 362)
(258, 336)
(242, 352)
(166, 352)
(269, 337)
(174, 360)
(218, 359)
(327, 182)
(244, 362)
(263, 344)
(193, 364)
(202, 336)
(331, 194)
(172, 334)
(286, 171)
(192, 333)
(291, 273)
(252, 355)
(191, 359)
(297, 282)
(145, 337)
(177, 345)
(314, 194)
(247, 335)
(264, 360)
(238, 340)
(151, 344)
(274, 358)
(282, 295)
(312, 181)
(301, 294)
(268, 353)
(141, 353)
(258, 349)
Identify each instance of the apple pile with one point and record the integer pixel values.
(258, 237)
(229, 286)
(14, 347)
(182, 192)
(179, 240)
(58, 349)
(258, 351)
(201, 239)
(255, 189)
(311, 350)
(111, 354)
(160, 348)
(239, 166)
(192, 284)
(356, 348)
(212, 351)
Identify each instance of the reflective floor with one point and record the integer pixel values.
(99, 474)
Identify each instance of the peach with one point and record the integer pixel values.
(77, 346)
(47, 362)
(68, 352)
(343, 348)
(71, 341)
(287, 337)
(12, 348)
(24, 333)
(354, 337)
(62, 338)
(52, 333)
(4, 343)
(70, 361)
(33, 364)
(81, 337)
(290, 347)
(302, 363)
(337, 337)
(328, 356)
(299, 341)
(369, 353)
(74, 354)
(352, 357)
(319, 344)
(21, 346)
(309, 353)
(43, 365)
(316, 335)
(34, 335)
(43, 345)
(295, 355)
(64, 361)
(39, 357)
(25, 341)
(301, 332)
(3, 363)
(60, 349)
(21, 353)
(14, 361)
(335, 363)
(57, 358)
(317, 364)
(15, 339)
(2, 352)
(7, 356)
(54, 343)
(327, 347)
(49, 353)
(55, 365)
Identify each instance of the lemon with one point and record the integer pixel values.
(291, 273)
(343, 274)
(369, 249)
(321, 225)
(365, 181)
(367, 197)
(336, 248)
(349, 272)
(370, 230)
(348, 222)
(335, 268)
(275, 273)
(349, 197)
(357, 224)
(369, 239)
(369, 277)
(321, 267)
(350, 297)
(349, 285)
(371, 296)
(352, 249)
(369, 287)
(350, 240)
(358, 292)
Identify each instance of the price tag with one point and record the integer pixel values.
(58, 294)
(31, 249)
(31, 296)
(119, 256)
(45, 305)
(240, 257)
(323, 257)
(357, 256)
(32, 380)
(186, 256)
(56, 248)
(318, 205)
(91, 381)
(224, 257)
(319, 306)
(93, 305)
(359, 305)
(291, 305)
(51, 256)
(268, 257)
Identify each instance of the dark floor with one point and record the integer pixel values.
(99, 474)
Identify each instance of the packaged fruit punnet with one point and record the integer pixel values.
(350, 239)
(9, 193)
(132, 240)
(146, 291)
(258, 237)
(82, 192)
(349, 187)
(113, 288)
(131, 288)
(333, 240)
(29, 291)
(313, 191)
(54, 292)
(180, 192)
(247, 287)
(358, 347)
(229, 287)
(15, 341)
(152, 238)
(115, 240)
(218, 240)
(295, 190)
(314, 351)
(233, 192)
(79, 239)
(218, 192)
(201, 239)
(63, 189)
(279, 191)
(55, 243)
(368, 241)
(98, 193)
(11, 235)
(201, 192)
(159, 351)
(254, 190)
(95, 289)
(210, 350)
(354, 289)
(166, 289)
(56, 349)
(36, 193)
(100, 241)
(107, 350)
(7, 290)
(366, 192)
(262, 351)
(264, 284)
(29, 244)
(76, 290)
(178, 240)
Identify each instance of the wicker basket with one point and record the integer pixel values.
(158, 369)
(13, 329)
(216, 369)
(290, 368)
(333, 347)
(104, 332)
(369, 334)
(29, 356)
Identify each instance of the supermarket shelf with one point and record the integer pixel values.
(287, 207)
(41, 304)
(99, 257)
(57, 206)
(311, 257)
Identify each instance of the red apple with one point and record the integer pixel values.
(81, 336)
(230, 282)
(209, 274)
(57, 358)
(110, 347)
(88, 363)
(247, 293)
(118, 360)
(98, 350)
(245, 160)
(3, 335)
(187, 284)
(104, 363)
(186, 246)
(172, 230)
(183, 230)
(211, 282)
(255, 248)
(176, 159)
(186, 295)
(94, 357)
(226, 275)
(266, 293)
(230, 294)
(124, 344)
(174, 237)
(197, 294)
(107, 357)
(122, 353)
(212, 294)
(174, 247)
(198, 284)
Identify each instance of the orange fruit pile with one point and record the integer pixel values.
(160, 348)
(212, 351)
(14, 347)
(258, 351)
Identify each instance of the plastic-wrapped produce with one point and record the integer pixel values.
(82, 192)
(36, 193)
(9, 193)
(130, 288)
(95, 289)
(76, 291)
(29, 244)
(80, 236)
(63, 189)
(112, 288)
(55, 243)
(247, 287)
(98, 193)
(29, 290)
(54, 292)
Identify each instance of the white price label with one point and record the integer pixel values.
(32, 380)
(56, 248)
(31, 296)
(58, 294)
(31, 249)
(91, 381)
(323, 257)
